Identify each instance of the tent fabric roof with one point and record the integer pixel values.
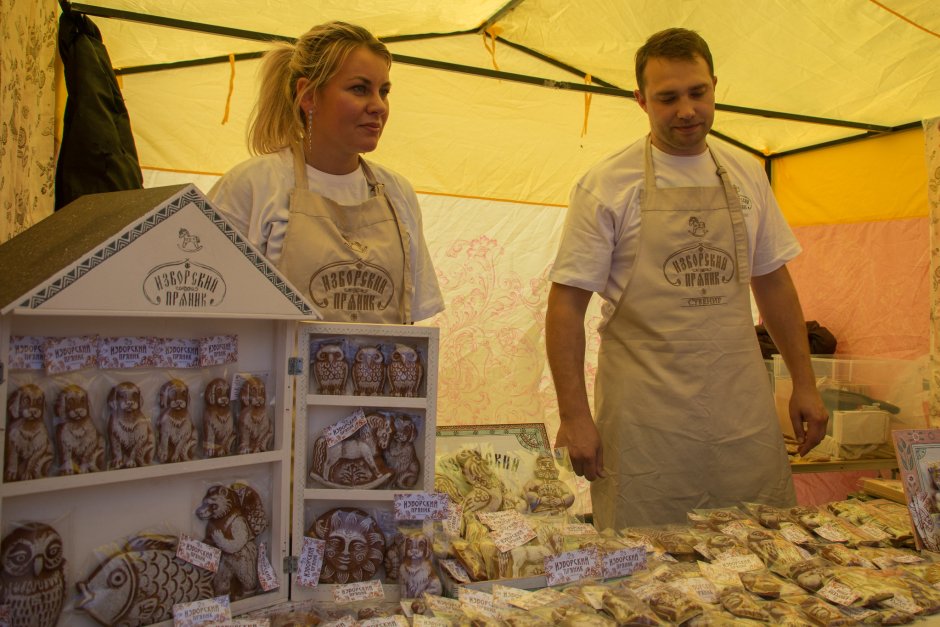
(791, 74)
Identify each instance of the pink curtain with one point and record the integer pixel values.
(868, 283)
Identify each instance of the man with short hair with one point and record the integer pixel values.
(671, 232)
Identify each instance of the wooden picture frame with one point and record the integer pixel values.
(918, 455)
(502, 437)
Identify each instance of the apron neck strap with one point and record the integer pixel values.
(738, 226)
(378, 190)
(300, 167)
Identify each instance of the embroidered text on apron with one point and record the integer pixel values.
(352, 262)
(682, 397)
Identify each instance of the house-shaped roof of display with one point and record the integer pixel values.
(160, 251)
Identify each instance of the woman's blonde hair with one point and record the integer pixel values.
(277, 120)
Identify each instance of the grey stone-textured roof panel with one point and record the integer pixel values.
(56, 242)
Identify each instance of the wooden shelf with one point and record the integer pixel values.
(398, 402)
(104, 477)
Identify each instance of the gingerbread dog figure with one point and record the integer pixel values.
(416, 573)
(79, 445)
(28, 448)
(130, 434)
(177, 442)
(255, 427)
(218, 423)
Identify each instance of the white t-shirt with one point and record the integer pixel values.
(255, 197)
(602, 226)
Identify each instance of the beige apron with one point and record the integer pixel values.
(683, 401)
(353, 262)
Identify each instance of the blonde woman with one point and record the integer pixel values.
(346, 232)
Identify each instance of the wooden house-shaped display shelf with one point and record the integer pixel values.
(149, 294)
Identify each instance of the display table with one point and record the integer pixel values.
(845, 465)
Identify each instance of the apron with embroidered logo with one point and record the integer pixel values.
(683, 401)
(352, 262)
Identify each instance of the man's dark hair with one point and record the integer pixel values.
(672, 43)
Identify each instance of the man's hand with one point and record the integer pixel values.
(806, 407)
(584, 447)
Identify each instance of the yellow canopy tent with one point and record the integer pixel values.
(498, 105)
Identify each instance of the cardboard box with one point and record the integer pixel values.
(865, 426)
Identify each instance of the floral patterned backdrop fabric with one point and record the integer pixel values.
(27, 113)
(492, 259)
(932, 150)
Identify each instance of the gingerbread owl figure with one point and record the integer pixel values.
(330, 369)
(368, 371)
(405, 371)
(32, 575)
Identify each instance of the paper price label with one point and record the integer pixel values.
(310, 562)
(129, 352)
(795, 534)
(903, 603)
(831, 532)
(200, 612)
(737, 529)
(861, 614)
(477, 601)
(697, 587)
(875, 532)
(266, 575)
(623, 562)
(509, 538)
(339, 431)
(494, 520)
(509, 528)
(442, 605)
(358, 591)
(721, 577)
(67, 354)
(573, 566)
(505, 595)
(421, 506)
(179, 353)
(218, 350)
(538, 598)
(740, 563)
(838, 593)
(198, 553)
(26, 352)
(456, 570)
(453, 520)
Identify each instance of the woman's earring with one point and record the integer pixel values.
(309, 130)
